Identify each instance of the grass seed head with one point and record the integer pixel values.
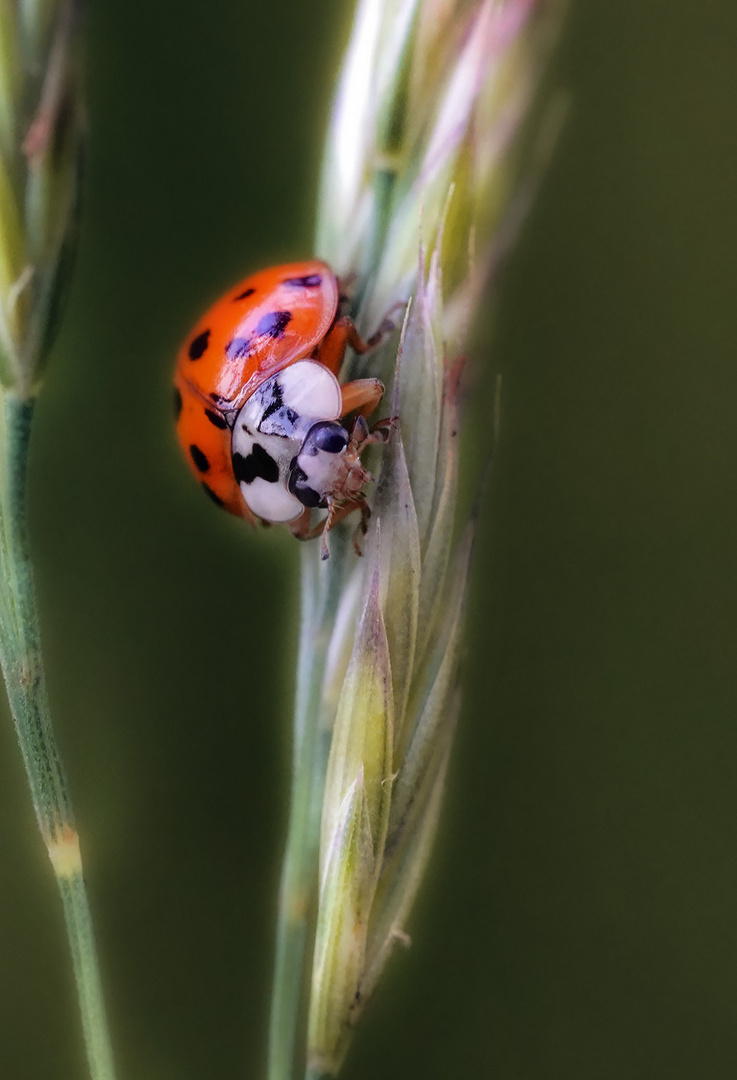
(40, 151)
(421, 182)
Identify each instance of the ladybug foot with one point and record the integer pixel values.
(387, 325)
(383, 429)
(361, 529)
(346, 289)
(336, 513)
(381, 432)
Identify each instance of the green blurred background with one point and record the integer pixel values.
(579, 916)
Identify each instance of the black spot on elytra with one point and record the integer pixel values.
(310, 281)
(211, 495)
(244, 295)
(177, 404)
(258, 464)
(216, 419)
(198, 345)
(273, 324)
(238, 348)
(199, 459)
(219, 400)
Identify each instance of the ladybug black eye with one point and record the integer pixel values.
(330, 437)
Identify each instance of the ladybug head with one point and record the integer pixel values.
(320, 468)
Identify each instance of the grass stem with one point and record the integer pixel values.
(23, 670)
(299, 884)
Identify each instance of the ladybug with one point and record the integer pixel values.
(262, 420)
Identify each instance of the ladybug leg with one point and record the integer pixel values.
(300, 527)
(345, 290)
(327, 525)
(331, 349)
(336, 512)
(361, 396)
(342, 333)
(362, 528)
(334, 515)
(362, 437)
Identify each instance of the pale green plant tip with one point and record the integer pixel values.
(432, 687)
(363, 729)
(405, 861)
(396, 554)
(347, 885)
(420, 399)
(363, 134)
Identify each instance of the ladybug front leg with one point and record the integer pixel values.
(342, 333)
(336, 512)
(361, 436)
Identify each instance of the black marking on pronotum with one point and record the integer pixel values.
(211, 495)
(198, 345)
(258, 464)
(292, 416)
(298, 486)
(177, 404)
(216, 419)
(273, 324)
(199, 459)
(276, 403)
(310, 281)
(244, 295)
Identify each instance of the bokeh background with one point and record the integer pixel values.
(579, 916)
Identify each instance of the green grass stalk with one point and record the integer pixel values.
(23, 670)
(298, 894)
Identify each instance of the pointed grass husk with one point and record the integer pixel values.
(422, 180)
(40, 149)
(419, 668)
